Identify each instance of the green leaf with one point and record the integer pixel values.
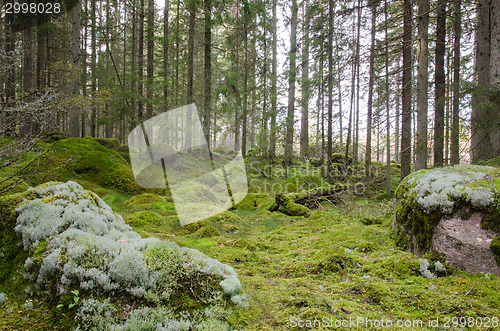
(59, 306)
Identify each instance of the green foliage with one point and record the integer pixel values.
(495, 248)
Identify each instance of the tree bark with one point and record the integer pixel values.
(455, 129)
(74, 124)
(207, 109)
(274, 90)
(440, 84)
(150, 58)
(291, 86)
(406, 92)
(304, 120)
(368, 154)
(422, 84)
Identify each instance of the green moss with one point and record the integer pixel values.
(495, 248)
(285, 205)
(207, 231)
(84, 160)
(12, 185)
(144, 200)
(257, 201)
(145, 219)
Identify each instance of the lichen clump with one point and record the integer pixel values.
(75, 240)
(425, 196)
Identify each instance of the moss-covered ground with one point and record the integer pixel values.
(339, 263)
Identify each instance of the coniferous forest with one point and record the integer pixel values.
(369, 136)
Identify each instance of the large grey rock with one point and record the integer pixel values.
(465, 244)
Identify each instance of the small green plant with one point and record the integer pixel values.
(76, 300)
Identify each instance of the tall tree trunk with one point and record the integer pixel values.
(10, 84)
(246, 18)
(140, 63)
(368, 154)
(133, 68)
(440, 90)
(74, 125)
(355, 145)
(480, 126)
(93, 50)
(304, 120)
(329, 81)
(274, 90)
(207, 109)
(422, 84)
(387, 103)
(406, 92)
(455, 129)
(190, 67)
(27, 117)
(166, 42)
(291, 85)
(150, 58)
(495, 77)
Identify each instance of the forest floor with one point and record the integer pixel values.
(339, 265)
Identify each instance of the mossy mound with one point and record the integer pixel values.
(12, 185)
(78, 255)
(495, 162)
(144, 200)
(87, 160)
(144, 218)
(256, 201)
(285, 205)
(207, 232)
(425, 197)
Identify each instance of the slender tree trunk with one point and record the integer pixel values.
(387, 103)
(246, 18)
(140, 63)
(291, 86)
(455, 129)
(439, 77)
(190, 68)
(274, 90)
(422, 84)
(368, 154)
(397, 120)
(93, 50)
(74, 125)
(133, 68)
(166, 42)
(207, 109)
(10, 84)
(27, 117)
(150, 58)
(406, 92)
(329, 81)
(304, 120)
(355, 145)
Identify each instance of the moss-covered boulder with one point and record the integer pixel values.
(285, 205)
(78, 159)
(61, 242)
(452, 210)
